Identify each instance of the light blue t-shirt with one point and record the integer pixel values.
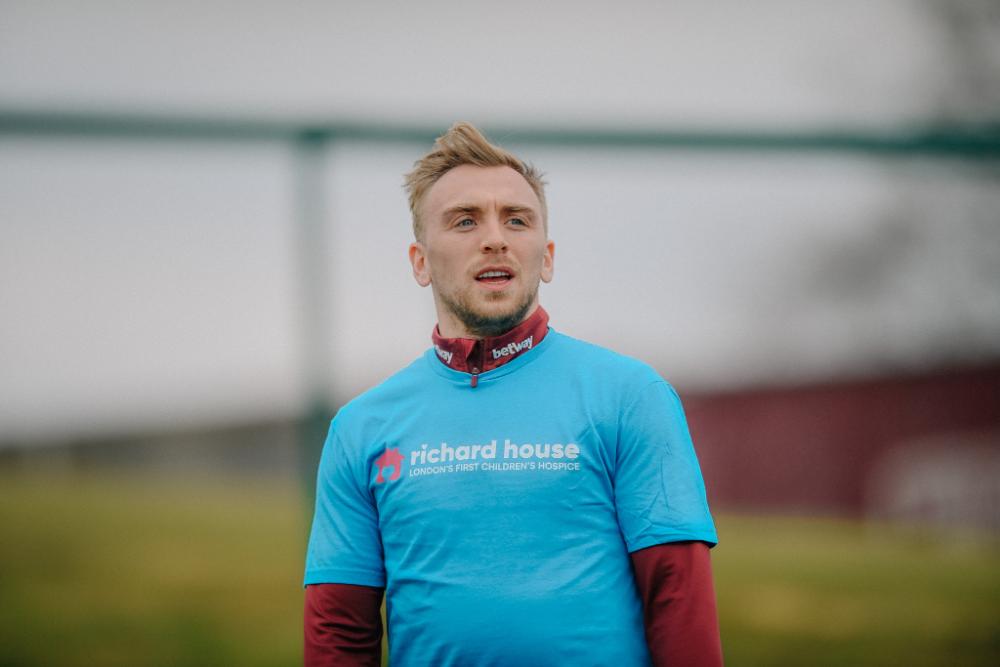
(499, 518)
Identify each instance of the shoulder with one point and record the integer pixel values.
(379, 404)
(609, 365)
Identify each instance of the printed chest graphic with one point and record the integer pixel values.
(499, 491)
(494, 456)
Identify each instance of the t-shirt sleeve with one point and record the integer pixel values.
(659, 490)
(345, 546)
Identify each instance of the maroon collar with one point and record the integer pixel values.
(470, 355)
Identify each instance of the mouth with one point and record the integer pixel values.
(495, 277)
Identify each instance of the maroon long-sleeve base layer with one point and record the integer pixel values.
(343, 625)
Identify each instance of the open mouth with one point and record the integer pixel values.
(496, 277)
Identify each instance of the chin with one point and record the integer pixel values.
(490, 313)
(499, 305)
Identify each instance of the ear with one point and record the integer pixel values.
(418, 260)
(548, 260)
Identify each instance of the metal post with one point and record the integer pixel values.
(311, 224)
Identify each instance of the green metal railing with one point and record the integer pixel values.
(962, 141)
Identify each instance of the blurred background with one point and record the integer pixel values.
(790, 209)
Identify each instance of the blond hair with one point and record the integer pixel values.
(464, 144)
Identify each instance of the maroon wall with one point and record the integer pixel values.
(813, 448)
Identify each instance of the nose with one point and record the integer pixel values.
(493, 238)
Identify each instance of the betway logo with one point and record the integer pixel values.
(512, 348)
(443, 353)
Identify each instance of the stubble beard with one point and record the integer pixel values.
(482, 325)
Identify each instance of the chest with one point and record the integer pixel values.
(531, 462)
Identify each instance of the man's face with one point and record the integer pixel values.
(484, 250)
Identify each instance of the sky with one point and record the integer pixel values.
(766, 64)
(152, 284)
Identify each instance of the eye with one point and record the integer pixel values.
(518, 221)
(465, 222)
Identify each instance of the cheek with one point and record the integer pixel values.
(536, 257)
(441, 265)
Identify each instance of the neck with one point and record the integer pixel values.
(478, 355)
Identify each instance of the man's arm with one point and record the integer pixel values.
(678, 602)
(343, 626)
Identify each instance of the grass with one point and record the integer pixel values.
(111, 569)
(825, 592)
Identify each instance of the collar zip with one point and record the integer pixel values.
(477, 352)
(475, 356)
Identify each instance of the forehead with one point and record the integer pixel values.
(485, 187)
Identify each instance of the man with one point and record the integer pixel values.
(521, 497)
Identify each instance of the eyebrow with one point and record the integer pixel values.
(473, 209)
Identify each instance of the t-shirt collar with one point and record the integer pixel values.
(470, 355)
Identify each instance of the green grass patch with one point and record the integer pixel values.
(116, 569)
(119, 570)
(826, 592)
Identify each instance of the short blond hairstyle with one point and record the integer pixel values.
(464, 144)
